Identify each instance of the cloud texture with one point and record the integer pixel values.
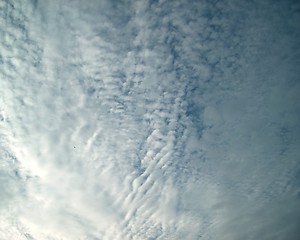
(149, 119)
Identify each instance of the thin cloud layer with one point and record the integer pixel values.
(149, 120)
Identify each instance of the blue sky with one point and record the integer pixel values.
(149, 119)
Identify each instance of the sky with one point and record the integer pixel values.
(149, 119)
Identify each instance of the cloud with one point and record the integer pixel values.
(149, 120)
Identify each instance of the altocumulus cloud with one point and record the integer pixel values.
(149, 119)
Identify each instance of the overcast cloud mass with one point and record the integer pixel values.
(149, 119)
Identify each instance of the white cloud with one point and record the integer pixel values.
(148, 120)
